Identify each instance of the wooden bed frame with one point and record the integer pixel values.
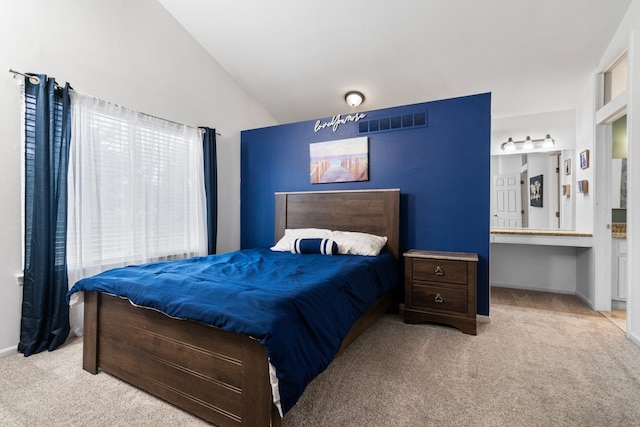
(221, 376)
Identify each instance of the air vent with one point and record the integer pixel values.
(393, 123)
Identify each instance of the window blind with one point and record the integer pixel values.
(136, 188)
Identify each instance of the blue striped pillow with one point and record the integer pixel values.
(314, 246)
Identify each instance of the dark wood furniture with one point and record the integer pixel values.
(217, 375)
(441, 287)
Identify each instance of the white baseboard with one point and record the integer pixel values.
(9, 351)
(618, 305)
(536, 289)
(585, 300)
(633, 337)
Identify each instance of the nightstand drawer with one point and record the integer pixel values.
(439, 298)
(440, 271)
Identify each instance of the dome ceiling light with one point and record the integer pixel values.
(354, 98)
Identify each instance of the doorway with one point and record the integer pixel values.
(618, 201)
(610, 220)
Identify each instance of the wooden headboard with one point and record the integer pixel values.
(367, 211)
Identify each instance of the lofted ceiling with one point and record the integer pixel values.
(299, 58)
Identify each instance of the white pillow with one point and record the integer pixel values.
(350, 242)
(291, 234)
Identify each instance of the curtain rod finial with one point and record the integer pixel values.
(33, 79)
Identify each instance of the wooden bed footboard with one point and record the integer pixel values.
(219, 376)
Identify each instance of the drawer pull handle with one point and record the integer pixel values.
(439, 271)
(438, 299)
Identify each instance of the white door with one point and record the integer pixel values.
(507, 205)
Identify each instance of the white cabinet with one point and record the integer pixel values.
(619, 283)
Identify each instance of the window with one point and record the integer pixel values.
(615, 79)
(136, 189)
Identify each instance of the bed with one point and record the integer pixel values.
(223, 377)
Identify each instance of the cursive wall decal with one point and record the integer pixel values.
(338, 120)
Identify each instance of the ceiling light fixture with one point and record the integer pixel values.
(354, 98)
(528, 144)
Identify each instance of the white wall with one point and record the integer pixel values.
(585, 275)
(534, 267)
(586, 204)
(132, 53)
(585, 128)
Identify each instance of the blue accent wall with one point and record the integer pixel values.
(441, 166)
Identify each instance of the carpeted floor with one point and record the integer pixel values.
(543, 360)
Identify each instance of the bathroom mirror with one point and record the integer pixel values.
(532, 191)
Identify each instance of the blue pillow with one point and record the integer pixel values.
(314, 246)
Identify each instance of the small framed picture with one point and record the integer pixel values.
(584, 159)
(567, 167)
(583, 186)
(566, 190)
(535, 191)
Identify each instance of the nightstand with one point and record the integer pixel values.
(441, 287)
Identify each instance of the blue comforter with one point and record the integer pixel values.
(299, 307)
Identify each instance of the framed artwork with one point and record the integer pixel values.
(583, 186)
(567, 167)
(566, 190)
(535, 191)
(584, 159)
(342, 160)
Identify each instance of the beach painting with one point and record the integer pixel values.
(341, 160)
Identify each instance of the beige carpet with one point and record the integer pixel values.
(543, 360)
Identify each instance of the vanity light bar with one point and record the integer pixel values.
(528, 144)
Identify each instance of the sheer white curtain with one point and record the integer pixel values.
(136, 191)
